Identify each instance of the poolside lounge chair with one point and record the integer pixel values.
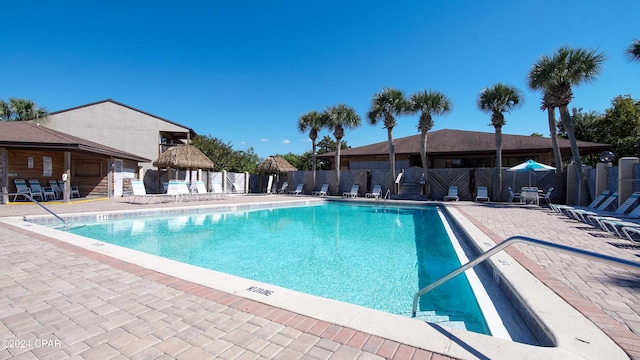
(201, 192)
(283, 188)
(452, 194)
(179, 190)
(216, 189)
(375, 193)
(323, 190)
(513, 196)
(21, 189)
(353, 192)
(298, 190)
(629, 231)
(594, 216)
(139, 193)
(581, 213)
(483, 193)
(597, 201)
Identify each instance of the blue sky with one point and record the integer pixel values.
(245, 71)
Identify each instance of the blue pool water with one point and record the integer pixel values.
(369, 255)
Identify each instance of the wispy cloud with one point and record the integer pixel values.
(264, 139)
(285, 141)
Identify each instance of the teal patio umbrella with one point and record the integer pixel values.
(531, 166)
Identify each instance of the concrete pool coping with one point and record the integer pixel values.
(575, 336)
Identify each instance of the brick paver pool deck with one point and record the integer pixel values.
(114, 309)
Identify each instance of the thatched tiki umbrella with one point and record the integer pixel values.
(274, 165)
(186, 157)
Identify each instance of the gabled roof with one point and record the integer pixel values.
(193, 133)
(464, 142)
(25, 134)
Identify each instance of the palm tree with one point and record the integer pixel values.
(314, 122)
(429, 103)
(555, 75)
(497, 100)
(21, 110)
(385, 106)
(633, 51)
(553, 133)
(338, 118)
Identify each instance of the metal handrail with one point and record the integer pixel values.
(531, 241)
(28, 196)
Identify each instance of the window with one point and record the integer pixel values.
(87, 169)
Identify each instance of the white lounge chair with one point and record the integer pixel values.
(139, 193)
(452, 194)
(483, 193)
(581, 213)
(216, 189)
(298, 190)
(560, 209)
(594, 217)
(179, 190)
(201, 192)
(375, 193)
(323, 190)
(353, 192)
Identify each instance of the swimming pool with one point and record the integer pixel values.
(370, 255)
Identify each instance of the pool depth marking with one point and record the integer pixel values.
(261, 291)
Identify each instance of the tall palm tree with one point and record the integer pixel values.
(553, 133)
(385, 106)
(314, 122)
(497, 100)
(338, 118)
(633, 51)
(21, 110)
(555, 75)
(429, 103)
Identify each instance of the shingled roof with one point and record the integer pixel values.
(25, 134)
(462, 142)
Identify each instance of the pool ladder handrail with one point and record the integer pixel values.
(66, 225)
(531, 241)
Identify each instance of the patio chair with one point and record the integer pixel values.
(353, 192)
(483, 193)
(452, 194)
(36, 190)
(283, 188)
(53, 184)
(375, 193)
(546, 196)
(74, 189)
(297, 191)
(323, 190)
(21, 189)
(513, 196)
